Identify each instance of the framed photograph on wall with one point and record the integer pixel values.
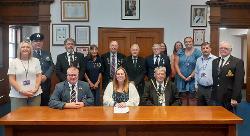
(198, 16)
(75, 10)
(82, 35)
(130, 9)
(59, 33)
(84, 50)
(199, 36)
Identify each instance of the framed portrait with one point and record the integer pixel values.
(82, 35)
(59, 33)
(84, 50)
(199, 36)
(198, 16)
(130, 9)
(75, 10)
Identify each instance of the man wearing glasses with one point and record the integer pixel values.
(71, 93)
(228, 78)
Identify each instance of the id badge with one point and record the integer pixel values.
(203, 74)
(26, 82)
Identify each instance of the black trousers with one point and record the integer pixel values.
(46, 92)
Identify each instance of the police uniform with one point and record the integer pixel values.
(47, 65)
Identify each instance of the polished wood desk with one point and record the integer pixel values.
(140, 121)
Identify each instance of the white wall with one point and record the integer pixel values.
(172, 15)
(235, 40)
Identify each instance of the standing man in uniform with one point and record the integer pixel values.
(46, 63)
(203, 75)
(228, 78)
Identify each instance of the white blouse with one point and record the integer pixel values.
(20, 68)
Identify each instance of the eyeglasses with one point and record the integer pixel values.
(72, 75)
(224, 48)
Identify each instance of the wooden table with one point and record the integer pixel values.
(140, 121)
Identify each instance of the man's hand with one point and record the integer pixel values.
(44, 78)
(234, 102)
(74, 105)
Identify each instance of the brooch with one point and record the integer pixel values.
(229, 74)
(47, 59)
(227, 63)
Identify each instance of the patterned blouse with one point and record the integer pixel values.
(120, 97)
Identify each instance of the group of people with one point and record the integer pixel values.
(157, 80)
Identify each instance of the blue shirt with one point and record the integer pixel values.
(203, 71)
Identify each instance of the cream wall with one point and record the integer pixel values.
(172, 15)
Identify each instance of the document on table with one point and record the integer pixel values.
(121, 110)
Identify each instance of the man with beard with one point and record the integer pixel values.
(203, 75)
(68, 59)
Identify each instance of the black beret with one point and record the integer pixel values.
(36, 37)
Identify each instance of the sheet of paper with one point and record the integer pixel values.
(121, 110)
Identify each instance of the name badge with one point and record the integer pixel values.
(26, 82)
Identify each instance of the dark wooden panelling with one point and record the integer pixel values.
(230, 14)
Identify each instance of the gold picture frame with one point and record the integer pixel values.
(75, 10)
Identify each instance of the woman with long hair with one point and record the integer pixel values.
(120, 92)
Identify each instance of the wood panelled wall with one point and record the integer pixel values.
(230, 14)
(21, 12)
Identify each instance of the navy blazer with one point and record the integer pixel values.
(62, 65)
(229, 80)
(61, 95)
(150, 67)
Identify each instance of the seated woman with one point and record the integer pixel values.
(120, 92)
(159, 91)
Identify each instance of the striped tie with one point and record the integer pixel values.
(73, 94)
(112, 71)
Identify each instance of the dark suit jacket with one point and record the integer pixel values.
(137, 73)
(150, 96)
(228, 82)
(62, 64)
(61, 95)
(164, 61)
(106, 67)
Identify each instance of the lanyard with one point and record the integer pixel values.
(204, 66)
(26, 69)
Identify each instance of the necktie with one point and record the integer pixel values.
(73, 94)
(221, 65)
(39, 53)
(112, 71)
(134, 61)
(71, 59)
(159, 88)
(157, 61)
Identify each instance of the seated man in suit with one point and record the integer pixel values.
(155, 60)
(68, 59)
(228, 78)
(159, 91)
(71, 93)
